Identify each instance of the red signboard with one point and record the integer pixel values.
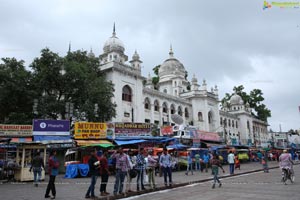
(167, 130)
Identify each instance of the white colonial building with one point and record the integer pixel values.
(138, 101)
(240, 125)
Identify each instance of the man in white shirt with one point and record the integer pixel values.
(230, 160)
(166, 164)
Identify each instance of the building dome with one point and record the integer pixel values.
(236, 99)
(113, 43)
(135, 56)
(171, 66)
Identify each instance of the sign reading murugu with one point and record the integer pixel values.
(132, 129)
(90, 130)
(15, 130)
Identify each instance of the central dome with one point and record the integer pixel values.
(171, 66)
(236, 99)
(113, 43)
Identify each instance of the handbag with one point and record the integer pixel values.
(132, 173)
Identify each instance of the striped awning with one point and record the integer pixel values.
(101, 143)
(20, 140)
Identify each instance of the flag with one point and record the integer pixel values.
(299, 108)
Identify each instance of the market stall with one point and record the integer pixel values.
(23, 159)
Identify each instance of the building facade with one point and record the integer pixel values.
(138, 101)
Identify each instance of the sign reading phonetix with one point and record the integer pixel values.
(51, 127)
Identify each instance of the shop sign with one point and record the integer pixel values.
(10, 130)
(90, 130)
(51, 127)
(132, 129)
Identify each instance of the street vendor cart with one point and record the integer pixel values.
(24, 157)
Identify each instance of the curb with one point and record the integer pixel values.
(131, 194)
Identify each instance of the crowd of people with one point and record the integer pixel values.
(134, 167)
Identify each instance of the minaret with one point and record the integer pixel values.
(136, 62)
(149, 83)
(216, 91)
(194, 85)
(204, 85)
(91, 53)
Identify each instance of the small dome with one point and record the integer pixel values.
(236, 99)
(194, 79)
(113, 43)
(91, 54)
(171, 66)
(135, 56)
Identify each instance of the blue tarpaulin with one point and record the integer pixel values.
(125, 142)
(177, 146)
(83, 169)
(43, 138)
(72, 170)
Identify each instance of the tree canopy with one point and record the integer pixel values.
(55, 88)
(255, 99)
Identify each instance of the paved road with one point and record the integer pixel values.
(75, 188)
(258, 186)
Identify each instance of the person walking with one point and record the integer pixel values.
(230, 160)
(189, 164)
(37, 164)
(215, 164)
(53, 172)
(166, 164)
(132, 173)
(206, 161)
(197, 161)
(93, 163)
(122, 166)
(104, 173)
(237, 163)
(151, 168)
(140, 167)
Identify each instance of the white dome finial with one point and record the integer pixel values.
(171, 51)
(114, 30)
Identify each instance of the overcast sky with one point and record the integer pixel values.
(228, 43)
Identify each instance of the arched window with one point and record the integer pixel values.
(147, 104)
(165, 107)
(156, 105)
(186, 112)
(165, 91)
(172, 109)
(179, 111)
(236, 124)
(229, 123)
(200, 116)
(126, 93)
(209, 117)
(232, 124)
(221, 121)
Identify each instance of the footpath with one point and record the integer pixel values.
(75, 189)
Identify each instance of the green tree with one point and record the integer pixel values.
(72, 80)
(255, 99)
(15, 92)
(155, 79)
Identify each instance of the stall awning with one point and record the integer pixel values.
(20, 140)
(47, 139)
(101, 143)
(125, 142)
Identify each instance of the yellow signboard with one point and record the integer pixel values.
(90, 130)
